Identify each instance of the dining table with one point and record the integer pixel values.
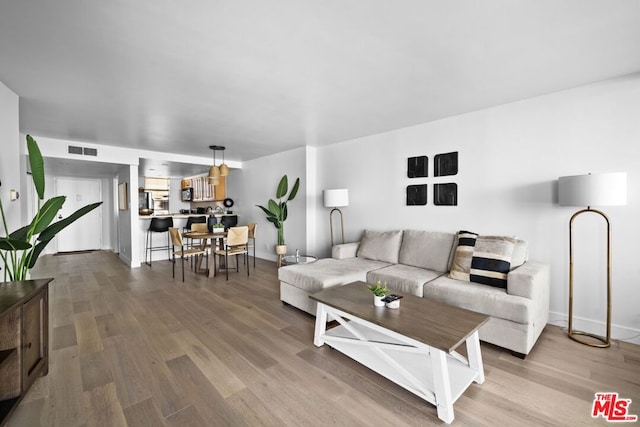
(210, 238)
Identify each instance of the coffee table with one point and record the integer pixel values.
(413, 346)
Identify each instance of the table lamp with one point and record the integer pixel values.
(605, 189)
(336, 198)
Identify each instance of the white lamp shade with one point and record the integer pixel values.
(336, 198)
(603, 189)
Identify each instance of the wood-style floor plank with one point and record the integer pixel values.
(137, 348)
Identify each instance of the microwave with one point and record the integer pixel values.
(187, 194)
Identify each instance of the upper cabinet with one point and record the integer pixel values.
(203, 191)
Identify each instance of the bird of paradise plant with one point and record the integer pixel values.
(20, 249)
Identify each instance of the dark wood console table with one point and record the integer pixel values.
(24, 339)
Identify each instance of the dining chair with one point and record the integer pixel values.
(252, 240)
(176, 239)
(199, 227)
(235, 244)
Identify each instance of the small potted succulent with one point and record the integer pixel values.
(217, 228)
(378, 290)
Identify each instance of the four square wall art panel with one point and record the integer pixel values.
(444, 194)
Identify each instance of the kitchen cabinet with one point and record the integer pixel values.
(203, 191)
(24, 339)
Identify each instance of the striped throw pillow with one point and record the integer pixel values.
(491, 260)
(463, 255)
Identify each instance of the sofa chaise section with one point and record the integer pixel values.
(297, 282)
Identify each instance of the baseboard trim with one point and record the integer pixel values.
(618, 332)
(127, 260)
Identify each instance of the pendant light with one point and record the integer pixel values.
(224, 169)
(214, 170)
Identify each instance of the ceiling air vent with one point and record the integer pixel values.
(75, 150)
(90, 151)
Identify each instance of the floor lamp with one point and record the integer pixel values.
(606, 189)
(336, 198)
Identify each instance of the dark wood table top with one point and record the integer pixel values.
(431, 322)
(12, 294)
(204, 235)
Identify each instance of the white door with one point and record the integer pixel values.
(86, 232)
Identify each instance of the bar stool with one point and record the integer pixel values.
(157, 225)
(194, 220)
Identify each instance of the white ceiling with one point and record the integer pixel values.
(265, 76)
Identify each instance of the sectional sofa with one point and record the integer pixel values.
(448, 267)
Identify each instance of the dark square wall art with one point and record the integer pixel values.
(417, 195)
(418, 167)
(445, 194)
(445, 164)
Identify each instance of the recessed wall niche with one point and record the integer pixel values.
(417, 195)
(418, 167)
(445, 164)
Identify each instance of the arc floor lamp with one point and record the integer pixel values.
(336, 198)
(606, 189)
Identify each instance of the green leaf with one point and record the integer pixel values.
(12, 245)
(267, 212)
(20, 234)
(37, 166)
(283, 186)
(275, 208)
(47, 214)
(275, 221)
(55, 228)
(35, 252)
(294, 190)
(284, 212)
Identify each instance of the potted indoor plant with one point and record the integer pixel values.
(277, 211)
(20, 249)
(378, 290)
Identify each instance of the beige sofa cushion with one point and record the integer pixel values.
(484, 299)
(403, 278)
(427, 249)
(327, 272)
(380, 245)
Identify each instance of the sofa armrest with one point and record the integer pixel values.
(529, 280)
(345, 250)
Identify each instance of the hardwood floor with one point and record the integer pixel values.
(137, 348)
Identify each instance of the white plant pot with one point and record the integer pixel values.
(377, 301)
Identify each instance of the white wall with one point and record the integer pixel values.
(128, 222)
(510, 159)
(256, 183)
(108, 222)
(10, 159)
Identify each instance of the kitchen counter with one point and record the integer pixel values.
(179, 221)
(179, 215)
